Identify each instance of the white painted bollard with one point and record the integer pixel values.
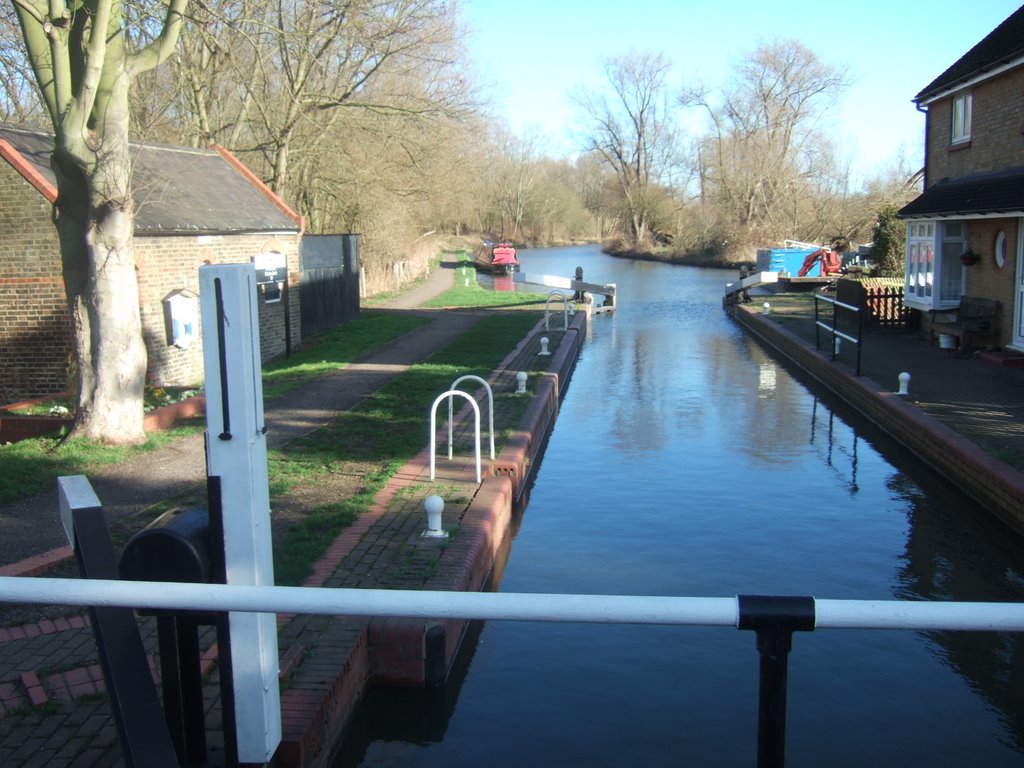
(521, 383)
(544, 346)
(767, 309)
(467, 282)
(434, 505)
(904, 384)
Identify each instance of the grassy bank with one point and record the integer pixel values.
(374, 440)
(363, 447)
(30, 466)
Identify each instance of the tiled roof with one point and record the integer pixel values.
(1002, 45)
(178, 190)
(995, 193)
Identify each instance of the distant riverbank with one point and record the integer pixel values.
(704, 259)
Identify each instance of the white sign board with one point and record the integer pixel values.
(236, 452)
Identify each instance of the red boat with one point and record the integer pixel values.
(499, 259)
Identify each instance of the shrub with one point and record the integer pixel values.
(890, 248)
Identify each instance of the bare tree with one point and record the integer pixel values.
(84, 63)
(631, 132)
(19, 99)
(512, 176)
(767, 149)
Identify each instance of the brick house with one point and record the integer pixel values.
(973, 197)
(193, 206)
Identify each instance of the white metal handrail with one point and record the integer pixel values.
(490, 407)
(510, 606)
(565, 309)
(433, 429)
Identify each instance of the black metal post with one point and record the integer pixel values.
(145, 738)
(774, 619)
(182, 686)
(835, 326)
(860, 335)
(224, 665)
(817, 326)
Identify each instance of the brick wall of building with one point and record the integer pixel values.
(988, 280)
(168, 264)
(997, 130)
(35, 342)
(34, 324)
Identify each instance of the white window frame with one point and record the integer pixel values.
(960, 129)
(934, 276)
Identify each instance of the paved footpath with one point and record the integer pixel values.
(53, 709)
(32, 535)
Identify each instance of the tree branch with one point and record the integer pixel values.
(160, 49)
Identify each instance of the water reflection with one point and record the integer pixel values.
(687, 460)
(841, 448)
(944, 561)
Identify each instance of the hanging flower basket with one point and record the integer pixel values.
(968, 258)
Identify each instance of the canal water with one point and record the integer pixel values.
(688, 460)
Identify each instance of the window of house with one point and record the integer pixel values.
(934, 276)
(999, 250)
(961, 118)
(950, 272)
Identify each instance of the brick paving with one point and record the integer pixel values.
(974, 395)
(53, 706)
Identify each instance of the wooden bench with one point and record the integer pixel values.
(974, 317)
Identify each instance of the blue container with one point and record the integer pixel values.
(786, 261)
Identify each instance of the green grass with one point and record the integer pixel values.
(306, 542)
(385, 430)
(333, 350)
(30, 466)
(475, 295)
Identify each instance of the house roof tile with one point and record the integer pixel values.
(178, 190)
(1001, 46)
(995, 193)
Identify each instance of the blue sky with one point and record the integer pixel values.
(529, 54)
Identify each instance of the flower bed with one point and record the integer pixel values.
(49, 415)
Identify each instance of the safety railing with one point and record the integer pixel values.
(833, 327)
(772, 618)
(433, 430)
(490, 411)
(565, 309)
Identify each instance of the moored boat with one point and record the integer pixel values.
(497, 259)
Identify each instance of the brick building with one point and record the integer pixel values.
(192, 207)
(973, 199)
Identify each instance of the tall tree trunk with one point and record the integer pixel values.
(95, 221)
(83, 70)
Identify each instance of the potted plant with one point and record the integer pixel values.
(968, 258)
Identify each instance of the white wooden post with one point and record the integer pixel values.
(237, 453)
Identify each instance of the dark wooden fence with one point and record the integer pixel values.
(329, 288)
(882, 304)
